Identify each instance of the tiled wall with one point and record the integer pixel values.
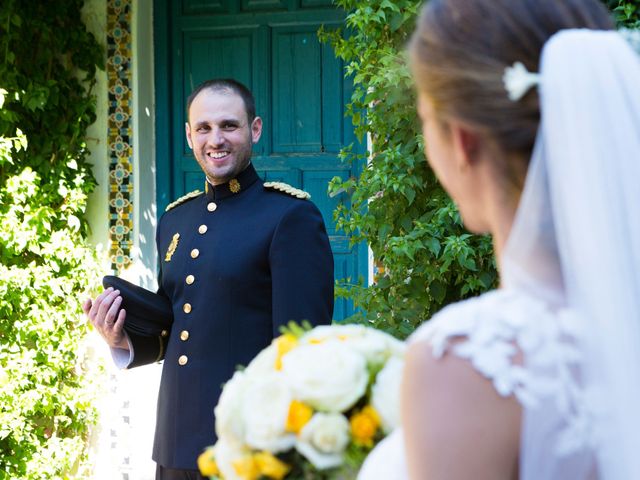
(120, 134)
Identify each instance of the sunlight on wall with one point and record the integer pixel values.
(122, 443)
(94, 14)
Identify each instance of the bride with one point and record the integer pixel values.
(530, 112)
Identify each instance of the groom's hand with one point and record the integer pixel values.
(105, 317)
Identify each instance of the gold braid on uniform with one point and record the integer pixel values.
(286, 188)
(183, 199)
(161, 352)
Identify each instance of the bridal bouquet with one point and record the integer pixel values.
(309, 406)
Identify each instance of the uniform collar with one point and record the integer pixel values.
(235, 186)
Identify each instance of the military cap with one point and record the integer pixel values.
(148, 314)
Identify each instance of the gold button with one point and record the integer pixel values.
(202, 229)
(183, 360)
(187, 308)
(164, 333)
(212, 207)
(184, 335)
(194, 253)
(190, 279)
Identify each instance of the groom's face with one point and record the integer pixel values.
(220, 134)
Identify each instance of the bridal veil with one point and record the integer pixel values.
(576, 236)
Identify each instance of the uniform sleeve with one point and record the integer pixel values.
(146, 350)
(301, 268)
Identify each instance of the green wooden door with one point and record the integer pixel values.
(272, 47)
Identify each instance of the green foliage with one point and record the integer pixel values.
(294, 329)
(47, 64)
(304, 470)
(427, 259)
(626, 12)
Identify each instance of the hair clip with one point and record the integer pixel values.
(518, 80)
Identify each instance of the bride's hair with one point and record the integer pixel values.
(461, 48)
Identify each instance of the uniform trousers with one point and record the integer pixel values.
(163, 473)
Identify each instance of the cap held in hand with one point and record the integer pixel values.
(148, 314)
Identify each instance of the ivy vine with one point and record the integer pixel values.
(425, 256)
(48, 62)
(626, 12)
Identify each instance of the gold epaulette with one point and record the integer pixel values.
(182, 199)
(286, 188)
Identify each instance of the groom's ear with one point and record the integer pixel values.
(467, 144)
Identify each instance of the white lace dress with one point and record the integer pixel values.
(556, 441)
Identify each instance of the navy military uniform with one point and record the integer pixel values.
(237, 263)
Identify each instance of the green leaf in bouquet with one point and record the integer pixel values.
(295, 329)
(355, 456)
(303, 470)
(374, 369)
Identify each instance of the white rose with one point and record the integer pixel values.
(323, 440)
(395, 347)
(265, 407)
(225, 454)
(386, 394)
(375, 345)
(264, 362)
(322, 333)
(328, 376)
(229, 424)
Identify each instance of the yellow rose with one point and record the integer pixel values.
(364, 426)
(284, 344)
(247, 468)
(207, 463)
(299, 416)
(270, 466)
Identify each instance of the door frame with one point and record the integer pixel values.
(162, 81)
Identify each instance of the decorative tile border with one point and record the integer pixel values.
(120, 134)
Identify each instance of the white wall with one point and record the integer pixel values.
(122, 442)
(143, 268)
(144, 255)
(95, 16)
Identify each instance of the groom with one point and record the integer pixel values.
(238, 261)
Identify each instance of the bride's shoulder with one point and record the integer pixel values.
(499, 314)
(504, 335)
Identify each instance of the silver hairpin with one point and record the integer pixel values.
(518, 81)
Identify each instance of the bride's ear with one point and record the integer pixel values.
(467, 145)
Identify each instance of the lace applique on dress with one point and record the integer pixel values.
(493, 328)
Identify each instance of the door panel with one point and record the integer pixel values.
(265, 5)
(191, 7)
(228, 53)
(272, 47)
(297, 76)
(315, 3)
(292, 176)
